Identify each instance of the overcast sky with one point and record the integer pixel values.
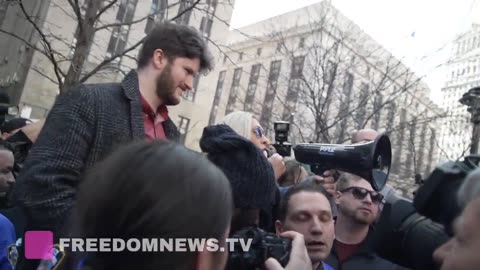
(391, 23)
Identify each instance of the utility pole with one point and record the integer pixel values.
(472, 100)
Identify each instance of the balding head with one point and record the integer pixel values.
(364, 135)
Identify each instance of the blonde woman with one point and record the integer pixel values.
(248, 127)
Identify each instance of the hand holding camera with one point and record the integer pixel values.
(298, 256)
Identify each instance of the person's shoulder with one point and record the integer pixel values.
(97, 93)
(101, 88)
(386, 264)
(6, 226)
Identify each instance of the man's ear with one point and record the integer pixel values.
(159, 59)
(338, 195)
(279, 227)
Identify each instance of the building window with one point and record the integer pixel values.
(410, 162)
(206, 26)
(297, 67)
(377, 112)
(232, 99)
(259, 51)
(360, 115)
(252, 87)
(119, 37)
(332, 71)
(400, 140)
(207, 20)
(72, 47)
(422, 148)
(279, 47)
(294, 86)
(183, 124)
(431, 151)
(184, 18)
(240, 56)
(190, 95)
(158, 13)
(216, 99)
(344, 107)
(3, 11)
(270, 93)
(301, 43)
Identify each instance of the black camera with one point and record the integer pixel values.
(264, 245)
(423, 225)
(282, 146)
(7, 112)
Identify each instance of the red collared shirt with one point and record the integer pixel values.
(153, 121)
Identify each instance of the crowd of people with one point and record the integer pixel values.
(106, 163)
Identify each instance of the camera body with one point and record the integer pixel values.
(264, 245)
(423, 225)
(7, 112)
(281, 145)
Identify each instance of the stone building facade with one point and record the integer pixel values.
(318, 70)
(463, 73)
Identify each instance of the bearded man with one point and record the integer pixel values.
(87, 123)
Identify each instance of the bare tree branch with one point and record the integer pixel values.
(48, 48)
(44, 75)
(104, 9)
(108, 60)
(105, 26)
(77, 10)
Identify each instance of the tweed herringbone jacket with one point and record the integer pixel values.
(83, 127)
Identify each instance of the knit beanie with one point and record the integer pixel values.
(250, 174)
(240, 122)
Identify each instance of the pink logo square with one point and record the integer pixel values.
(39, 245)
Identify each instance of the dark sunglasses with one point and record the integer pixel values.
(360, 194)
(258, 132)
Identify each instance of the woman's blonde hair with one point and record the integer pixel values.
(239, 121)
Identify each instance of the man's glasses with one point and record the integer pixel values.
(258, 132)
(360, 194)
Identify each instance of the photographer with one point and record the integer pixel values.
(307, 208)
(461, 251)
(299, 258)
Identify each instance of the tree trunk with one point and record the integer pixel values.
(84, 37)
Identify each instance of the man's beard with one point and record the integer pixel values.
(356, 216)
(165, 86)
